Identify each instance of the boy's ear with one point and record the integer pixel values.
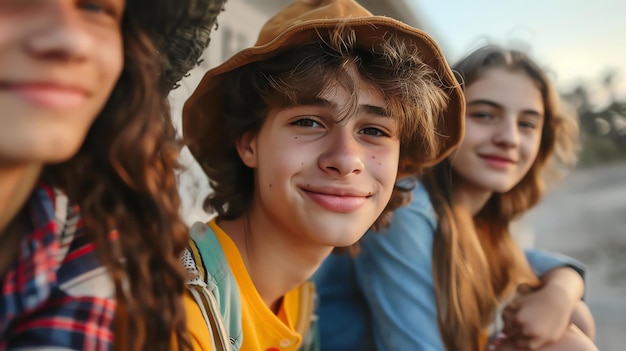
(247, 149)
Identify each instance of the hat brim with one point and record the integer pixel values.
(200, 112)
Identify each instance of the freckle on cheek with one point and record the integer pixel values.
(270, 185)
(295, 137)
(380, 163)
(373, 157)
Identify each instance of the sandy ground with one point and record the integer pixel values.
(585, 217)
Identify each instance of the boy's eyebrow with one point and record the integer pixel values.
(317, 101)
(375, 110)
(500, 107)
(370, 109)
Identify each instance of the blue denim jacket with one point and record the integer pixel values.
(384, 299)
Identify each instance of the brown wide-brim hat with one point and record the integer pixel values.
(307, 21)
(180, 30)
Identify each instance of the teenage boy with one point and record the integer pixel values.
(303, 137)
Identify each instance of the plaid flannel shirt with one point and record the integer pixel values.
(56, 295)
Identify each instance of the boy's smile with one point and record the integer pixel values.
(335, 198)
(324, 171)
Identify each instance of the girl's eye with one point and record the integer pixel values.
(92, 7)
(527, 125)
(481, 115)
(102, 7)
(373, 132)
(306, 122)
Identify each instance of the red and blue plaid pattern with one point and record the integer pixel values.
(56, 294)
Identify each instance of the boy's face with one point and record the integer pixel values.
(320, 181)
(59, 62)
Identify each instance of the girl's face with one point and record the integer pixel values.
(59, 62)
(504, 120)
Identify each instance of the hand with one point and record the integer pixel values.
(537, 316)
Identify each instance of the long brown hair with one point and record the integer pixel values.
(123, 180)
(476, 262)
(411, 89)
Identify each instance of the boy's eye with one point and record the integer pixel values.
(306, 122)
(373, 132)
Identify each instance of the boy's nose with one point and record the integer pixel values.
(343, 156)
(60, 33)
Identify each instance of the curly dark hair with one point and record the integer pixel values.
(411, 89)
(123, 179)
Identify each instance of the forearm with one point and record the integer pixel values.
(582, 318)
(567, 280)
(572, 339)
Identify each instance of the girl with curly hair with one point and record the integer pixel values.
(88, 197)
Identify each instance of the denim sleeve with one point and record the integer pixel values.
(542, 262)
(394, 271)
(343, 314)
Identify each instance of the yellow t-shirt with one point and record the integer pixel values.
(262, 329)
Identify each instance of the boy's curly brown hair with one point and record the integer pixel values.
(412, 90)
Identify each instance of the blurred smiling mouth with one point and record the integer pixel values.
(337, 200)
(48, 95)
(497, 161)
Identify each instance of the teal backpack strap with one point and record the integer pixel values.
(214, 271)
(307, 323)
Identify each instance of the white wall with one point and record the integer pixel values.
(238, 28)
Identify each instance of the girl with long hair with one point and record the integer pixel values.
(437, 276)
(88, 196)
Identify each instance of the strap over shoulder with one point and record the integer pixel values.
(306, 325)
(213, 286)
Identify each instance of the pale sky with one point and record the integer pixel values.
(578, 40)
